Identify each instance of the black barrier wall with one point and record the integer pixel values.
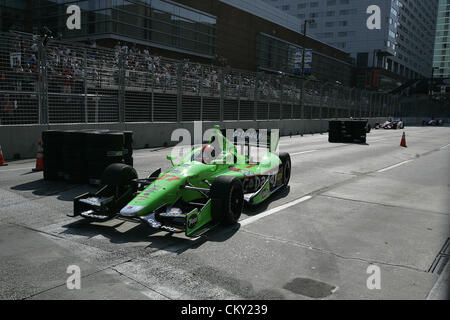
(80, 156)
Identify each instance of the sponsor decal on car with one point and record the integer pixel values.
(169, 177)
(265, 193)
(192, 221)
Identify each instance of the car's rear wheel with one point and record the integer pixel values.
(285, 168)
(227, 199)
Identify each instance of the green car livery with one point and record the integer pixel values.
(206, 188)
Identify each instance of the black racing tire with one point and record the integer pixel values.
(286, 167)
(227, 200)
(119, 174)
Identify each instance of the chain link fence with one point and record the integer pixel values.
(74, 83)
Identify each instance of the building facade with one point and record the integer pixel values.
(155, 23)
(244, 34)
(404, 44)
(441, 62)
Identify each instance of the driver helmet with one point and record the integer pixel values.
(208, 154)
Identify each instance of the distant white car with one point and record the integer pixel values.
(393, 124)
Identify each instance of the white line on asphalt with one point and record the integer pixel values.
(394, 166)
(17, 169)
(303, 152)
(272, 211)
(445, 146)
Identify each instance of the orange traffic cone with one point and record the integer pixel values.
(403, 142)
(39, 158)
(2, 159)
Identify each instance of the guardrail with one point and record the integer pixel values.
(74, 83)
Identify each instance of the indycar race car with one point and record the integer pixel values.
(391, 124)
(433, 122)
(194, 195)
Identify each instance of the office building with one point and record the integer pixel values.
(403, 46)
(441, 62)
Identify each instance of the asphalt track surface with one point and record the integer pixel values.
(348, 206)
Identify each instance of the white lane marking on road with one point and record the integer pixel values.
(17, 169)
(394, 166)
(303, 152)
(445, 146)
(378, 140)
(272, 211)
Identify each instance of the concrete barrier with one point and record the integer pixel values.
(22, 140)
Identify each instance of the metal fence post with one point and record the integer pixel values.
(256, 96)
(239, 97)
(153, 95)
(43, 85)
(222, 93)
(86, 114)
(335, 101)
(121, 91)
(302, 101)
(39, 84)
(202, 68)
(385, 104)
(268, 100)
(352, 101)
(179, 70)
(382, 103)
(281, 96)
(322, 94)
(293, 95)
(360, 103)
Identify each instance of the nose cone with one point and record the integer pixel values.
(130, 211)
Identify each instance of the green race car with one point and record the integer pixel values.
(206, 188)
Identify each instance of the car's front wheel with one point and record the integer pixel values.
(227, 199)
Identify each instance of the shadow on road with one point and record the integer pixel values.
(252, 210)
(142, 235)
(64, 190)
(148, 238)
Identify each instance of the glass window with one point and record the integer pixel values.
(156, 21)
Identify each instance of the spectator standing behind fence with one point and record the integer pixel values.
(67, 84)
(7, 110)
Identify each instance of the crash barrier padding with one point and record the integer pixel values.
(347, 131)
(81, 156)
